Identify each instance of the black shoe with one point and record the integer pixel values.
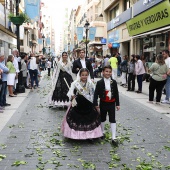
(7, 104)
(132, 90)
(114, 143)
(103, 137)
(15, 92)
(138, 91)
(127, 90)
(91, 141)
(27, 87)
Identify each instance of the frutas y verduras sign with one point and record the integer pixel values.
(156, 17)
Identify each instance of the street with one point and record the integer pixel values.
(31, 139)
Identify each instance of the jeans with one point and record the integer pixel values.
(131, 81)
(49, 69)
(34, 77)
(158, 86)
(118, 71)
(167, 88)
(3, 93)
(139, 80)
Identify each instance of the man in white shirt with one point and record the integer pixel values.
(82, 62)
(165, 54)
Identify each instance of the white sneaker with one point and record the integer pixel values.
(165, 102)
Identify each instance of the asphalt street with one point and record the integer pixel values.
(31, 140)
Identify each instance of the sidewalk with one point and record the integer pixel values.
(143, 98)
(15, 102)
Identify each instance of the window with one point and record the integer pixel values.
(126, 4)
(114, 12)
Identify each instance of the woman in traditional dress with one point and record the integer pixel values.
(82, 121)
(61, 81)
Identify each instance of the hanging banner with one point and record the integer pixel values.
(48, 41)
(92, 33)
(32, 9)
(40, 41)
(80, 33)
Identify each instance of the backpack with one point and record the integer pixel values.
(131, 67)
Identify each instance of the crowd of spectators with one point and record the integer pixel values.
(20, 70)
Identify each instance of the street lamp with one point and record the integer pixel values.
(86, 26)
(43, 37)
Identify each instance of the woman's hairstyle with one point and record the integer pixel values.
(10, 57)
(160, 59)
(126, 57)
(133, 58)
(137, 57)
(64, 53)
(83, 70)
(107, 67)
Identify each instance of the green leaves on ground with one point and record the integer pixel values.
(18, 163)
(2, 157)
(87, 165)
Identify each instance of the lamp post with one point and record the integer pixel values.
(86, 26)
(43, 37)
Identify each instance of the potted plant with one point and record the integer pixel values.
(86, 41)
(19, 19)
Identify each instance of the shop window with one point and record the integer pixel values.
(126, 4)
(114, 12)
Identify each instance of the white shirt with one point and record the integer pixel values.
(83, 63)
(33, 65)
(15, 62)
(48, 64)
(107, 84)
(167, 61)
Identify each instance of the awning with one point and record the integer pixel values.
(154, 32)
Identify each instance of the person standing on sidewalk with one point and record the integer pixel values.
(107, 91)
(11, 75)
(114, 63)
(159, 75)
(49, 66)
(124, 70)
(140, 70)
(131, 72)
(33, 71)
(165, 54)
(118, 67)
(4, 82)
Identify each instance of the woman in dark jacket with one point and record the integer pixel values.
(131, 74)
(123, 66)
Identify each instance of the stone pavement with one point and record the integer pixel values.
(31, 139)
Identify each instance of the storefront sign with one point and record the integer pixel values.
(113, 36)
(122, 18)
(143, 5)
(103, 40)
(154, 18)
(115, 45)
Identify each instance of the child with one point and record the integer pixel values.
(107, 91)
(82, 120)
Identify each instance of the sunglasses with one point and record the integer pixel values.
(82, 52)
(64, 55)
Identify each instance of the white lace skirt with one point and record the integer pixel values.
(11, 79)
